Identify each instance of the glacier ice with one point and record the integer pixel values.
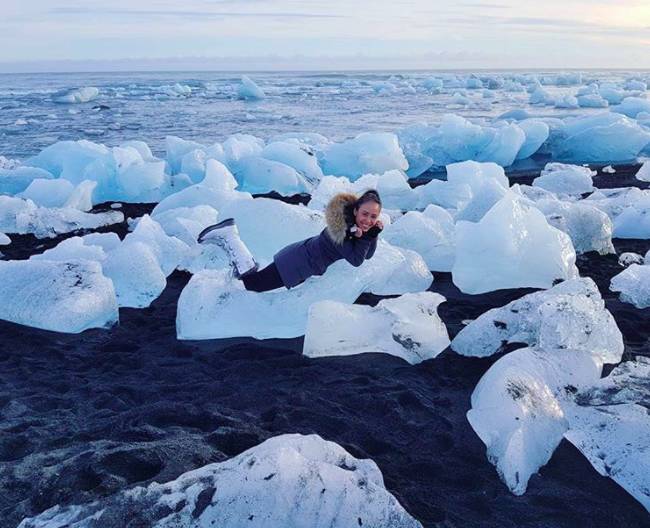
(60, 296)
(563, 179)
(643, 174)
(431, 234)
(78, 95)
(248, 90)
(369, 152)
(631, 106)
(23, 216)
(48, 192)
(291, 480)
(590, 228)
(518, 408)
(14, 180)
(512, 246)
(602, 137)
(214, 305)
(571, 315)
(633, 284)
(616, 441)
(407, 327)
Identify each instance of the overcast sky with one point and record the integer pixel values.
(78, 35)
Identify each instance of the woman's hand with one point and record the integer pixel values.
(358, 233)
(380, 224)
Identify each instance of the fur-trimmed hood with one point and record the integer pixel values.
(338, 216)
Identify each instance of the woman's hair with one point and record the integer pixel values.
(368, 196)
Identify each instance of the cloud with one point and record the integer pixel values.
(196, 14)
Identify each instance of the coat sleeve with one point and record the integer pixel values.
(356, 250)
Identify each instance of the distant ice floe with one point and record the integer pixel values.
(407, 327)
(80, 95)
(214, 305)
(248, 90)
(60, 296)
(321, 485)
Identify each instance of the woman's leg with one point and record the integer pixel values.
(263, 280)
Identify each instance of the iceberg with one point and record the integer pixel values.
(615, 439)
(248, 90)
(299, 156)
(80, 95)
(602, 137)
(563, 179)
(592, 101)
(65, 297)
(513, 246)
(518, 408)
(291, 480)
(16, 180)
(48, 192)
(632, 106)
(571, 315)
(23, 216)
(536, 132)
(407, 327)
(260, 175)
(214, 305)
(431, 234)
(367, 153)
(633, 283)
(643, 174)
(590, 228)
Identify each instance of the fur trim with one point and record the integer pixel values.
(336, 216)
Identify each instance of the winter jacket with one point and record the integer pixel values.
(313, 256)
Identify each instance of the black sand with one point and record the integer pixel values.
(90, 414)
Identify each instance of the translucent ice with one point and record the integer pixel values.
(60, 296)
(213, 305)
(248, 90)
(571, 315)
(431, 237)
(367, 153)
(562, 179)
(80, 95)
(408, 327)
(513, 246)
(517, 408)
(633, 283)
(601, 137)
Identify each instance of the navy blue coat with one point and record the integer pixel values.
(313, 256)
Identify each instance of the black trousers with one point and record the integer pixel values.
(263, 280)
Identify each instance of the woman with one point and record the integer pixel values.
(352, 228)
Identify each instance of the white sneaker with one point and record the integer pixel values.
(226, 235)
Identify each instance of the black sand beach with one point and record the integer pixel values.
(87, 415)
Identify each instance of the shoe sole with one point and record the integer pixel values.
(224, 223)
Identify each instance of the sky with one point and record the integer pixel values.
(89, 35)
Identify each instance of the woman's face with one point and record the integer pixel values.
(366, 215)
